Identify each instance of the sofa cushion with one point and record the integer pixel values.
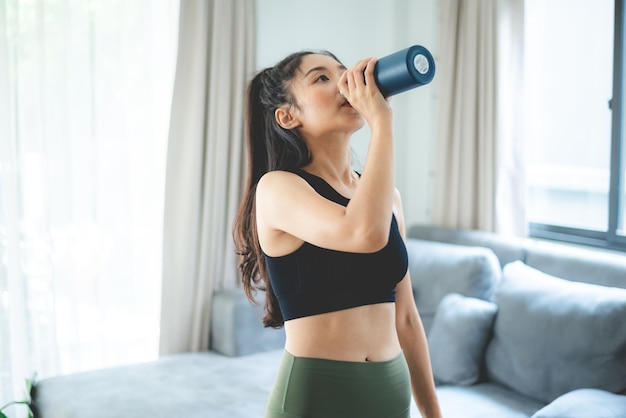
(458, 337)
(552, 336)
(439, 268)
(585, 403)
(189, 385)
(484, 400)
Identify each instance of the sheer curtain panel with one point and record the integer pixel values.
(478, 173)
(85, 93)
(205, 162)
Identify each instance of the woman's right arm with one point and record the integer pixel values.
(372, 203)
(286, 204)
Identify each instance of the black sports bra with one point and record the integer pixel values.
(314, 280)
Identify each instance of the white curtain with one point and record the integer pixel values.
(85, 92)
(511, 216)
(481, 47)
(204, 165)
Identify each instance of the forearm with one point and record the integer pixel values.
(415, 348)
(370, 208)
(372, 202)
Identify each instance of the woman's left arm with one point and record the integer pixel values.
(413, 339)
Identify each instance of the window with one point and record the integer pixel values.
(85, 93)
(575, 153)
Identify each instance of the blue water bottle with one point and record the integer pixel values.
(404, 70)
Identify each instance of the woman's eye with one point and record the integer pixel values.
(322, 78)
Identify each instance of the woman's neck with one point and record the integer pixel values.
(331, 158)
(332, 165)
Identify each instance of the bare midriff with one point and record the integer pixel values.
(362, 334)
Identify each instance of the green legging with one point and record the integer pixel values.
(318, 388)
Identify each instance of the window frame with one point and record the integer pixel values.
(609, 239)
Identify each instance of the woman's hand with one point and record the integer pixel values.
(358, 86)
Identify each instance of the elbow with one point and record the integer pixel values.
(408, 322)
(373, 239)
(410, 331)
(366, 233)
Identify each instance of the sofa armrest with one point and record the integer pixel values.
(236, 327)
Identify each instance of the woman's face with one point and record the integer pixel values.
(320, 108)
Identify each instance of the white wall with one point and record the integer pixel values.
(353, 29)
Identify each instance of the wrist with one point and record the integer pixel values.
(381, 120)
(382, 128)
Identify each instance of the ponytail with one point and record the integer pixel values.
(269, 147)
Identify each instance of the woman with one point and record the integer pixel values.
(327, 244)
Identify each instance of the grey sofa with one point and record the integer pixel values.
(516, 328)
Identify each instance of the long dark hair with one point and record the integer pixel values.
(270, 147)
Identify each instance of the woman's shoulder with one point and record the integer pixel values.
(279, 191)
(279, 181)
(278, 176)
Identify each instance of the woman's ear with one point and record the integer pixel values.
(285, 118)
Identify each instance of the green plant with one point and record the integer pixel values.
(29, 387)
